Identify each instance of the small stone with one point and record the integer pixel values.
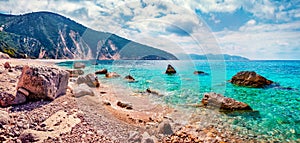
(24, 91)
(124, 105)
(79, 65)
(4, 117)
(7, 65)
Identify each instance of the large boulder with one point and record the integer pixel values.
(79, 65)
(170, 70)
(223, 103)
(43, 82)
(82, 90)
(112, 75)
(102, 71)
(91, 80)
(250, 79)
(4, 56)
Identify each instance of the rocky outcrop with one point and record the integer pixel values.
(4, 56)
(200, 73)
(43, 82)
(82, 90)
(91, 80)
(112, 75)
(170, 70)
(250, 79)
(79, 65)
(223, 103)
(102, 71)
(75, 72)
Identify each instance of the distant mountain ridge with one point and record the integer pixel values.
(225, 57)
(50, 35)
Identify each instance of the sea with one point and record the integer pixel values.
(278, 106)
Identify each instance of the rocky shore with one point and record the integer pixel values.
(102, 114)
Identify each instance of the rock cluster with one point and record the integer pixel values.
(250, 79)
(223, 103)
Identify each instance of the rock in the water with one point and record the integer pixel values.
(111, 75)
(79, 65)
(124, 105)
(43, 82)
(129, 78)
(4, 56)
(250, 79)
(165, 128)
(82, 90)
(102, 71)
(75, 73)
(7, 65)
(91, 80)
(223, 103)
(170, 70)
(200, 73)
(4, 117)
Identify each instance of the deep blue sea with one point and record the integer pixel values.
(279, 108)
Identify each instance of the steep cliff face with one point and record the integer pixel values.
(49, 35)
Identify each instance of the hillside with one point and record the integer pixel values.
(49, 35)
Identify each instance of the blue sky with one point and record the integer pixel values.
(257, 29)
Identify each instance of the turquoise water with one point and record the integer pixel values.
(279, 108)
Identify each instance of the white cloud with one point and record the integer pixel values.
(267, 39)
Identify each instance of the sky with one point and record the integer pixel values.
(256, 29)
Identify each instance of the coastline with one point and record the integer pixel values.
(103, 122)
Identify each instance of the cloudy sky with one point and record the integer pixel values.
(257, 29)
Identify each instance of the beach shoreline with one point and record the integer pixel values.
(99, 118)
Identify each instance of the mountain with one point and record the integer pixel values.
(225, 57)
(52, 36)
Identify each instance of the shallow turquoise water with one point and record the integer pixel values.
(279, 108)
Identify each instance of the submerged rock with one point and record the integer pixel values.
(91, 80)
(250, 79)
(83, 89)
(200, 73)
(79, 65)
(170, 70)
(112, 75)
(43, 82)
(102, 71)
(223, 103)
(129, 78)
